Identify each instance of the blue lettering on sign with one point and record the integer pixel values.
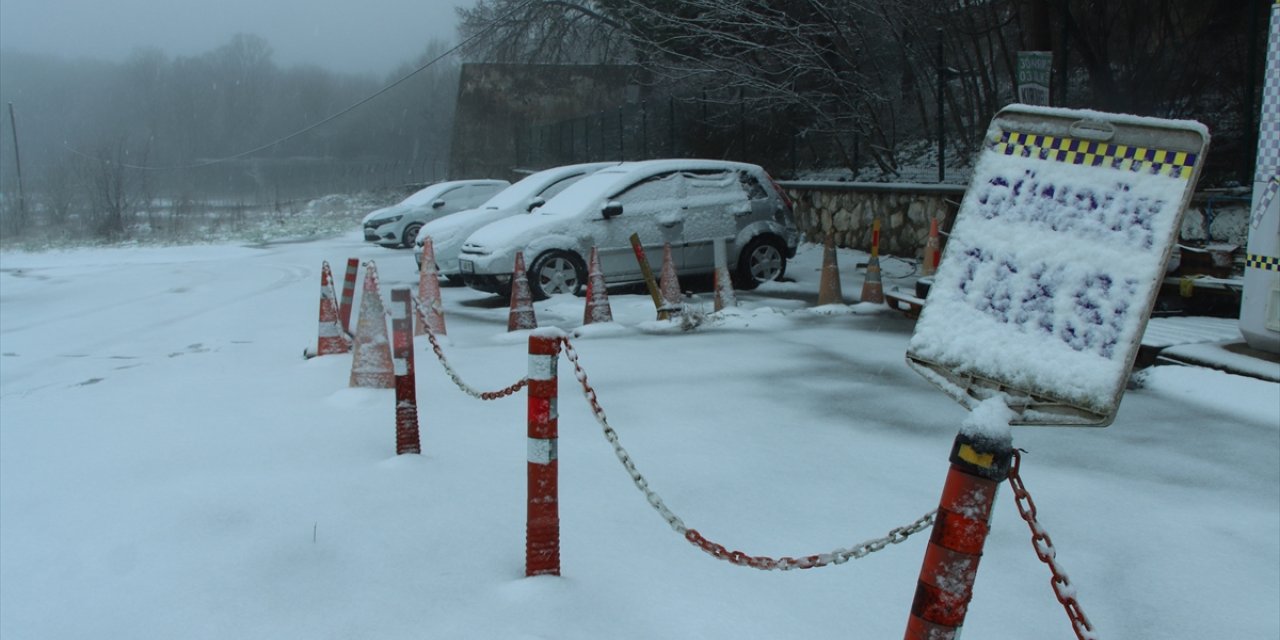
(1113, 214)
(1085, 309)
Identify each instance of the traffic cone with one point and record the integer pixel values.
(724, 296)
(931, 253)
(872, 290)
(829, 291)
(371, 364)
(672, 299)
(521, 316)
(598, 309)
(333, 339)
(429, 293)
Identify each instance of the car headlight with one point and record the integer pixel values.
(383, 221)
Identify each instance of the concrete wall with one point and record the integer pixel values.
(497, 103)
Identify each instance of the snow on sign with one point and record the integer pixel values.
(1055, 259)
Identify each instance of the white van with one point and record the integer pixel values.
(685, 203)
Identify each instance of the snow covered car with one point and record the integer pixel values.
(398, 225)
(448, 233)
(686, 203)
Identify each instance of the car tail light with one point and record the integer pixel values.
(781, 193)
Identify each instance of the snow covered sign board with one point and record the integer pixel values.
(1055, 259)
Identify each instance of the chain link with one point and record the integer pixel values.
(1047, 553)
(453, 375)
(765, 563)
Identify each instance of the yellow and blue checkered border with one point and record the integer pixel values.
(1178, 164)
(1266, 263)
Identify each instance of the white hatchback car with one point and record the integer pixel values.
(398, 224)
(685, 203)
(448, 233)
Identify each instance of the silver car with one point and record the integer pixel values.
(448, 233)
(398, 225)
(687, 204)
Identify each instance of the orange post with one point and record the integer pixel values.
(542, 524)
(402, 357)
(978, 465)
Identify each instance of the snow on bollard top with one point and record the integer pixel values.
(990, 420)
(1055, 259)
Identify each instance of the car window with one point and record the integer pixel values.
(664, 186)
(708, 188)
(752, 186)
(560, 185)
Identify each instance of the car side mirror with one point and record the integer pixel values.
(611, 209)
(437, 204)
(535, 203)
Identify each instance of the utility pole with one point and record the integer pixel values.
(17, 163)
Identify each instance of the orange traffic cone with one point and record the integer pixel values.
(521, 316)
(333, 339)
(669, 286)
(429, 293)
(371, 361)
(829, 291)
(598, 309)
(872, 289)
(724, 296)
(931, 253)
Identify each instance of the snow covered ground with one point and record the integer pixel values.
(170, 467)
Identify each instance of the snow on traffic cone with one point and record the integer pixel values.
(931, 253)
(429, 293)
(521, 316)
(668, 285)
(598, 309)
(829, 291)
(333, 339)
(724, 296)
(872, 290)
(371, 364)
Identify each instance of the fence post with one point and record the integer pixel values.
(402, 360)
(978, 465)
(542, 524)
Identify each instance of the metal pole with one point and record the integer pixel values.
(17, 164)
(942, 123)
(622, 149)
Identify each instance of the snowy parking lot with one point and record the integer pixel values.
(171, 467)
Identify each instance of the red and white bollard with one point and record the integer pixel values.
(402, 361)
(348, 293)
(978, 466)
(542, 526)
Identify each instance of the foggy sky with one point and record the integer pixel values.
(357, 36)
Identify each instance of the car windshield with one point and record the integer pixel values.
(581, 193)
(516, 194)
(426, 196)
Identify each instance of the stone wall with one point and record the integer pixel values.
(848, 209)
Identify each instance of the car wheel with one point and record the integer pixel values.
(556, 272)
(762, 260)
(410, 234)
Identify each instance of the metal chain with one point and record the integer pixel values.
(1047, 553)
(453, 375)
(765, 563)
